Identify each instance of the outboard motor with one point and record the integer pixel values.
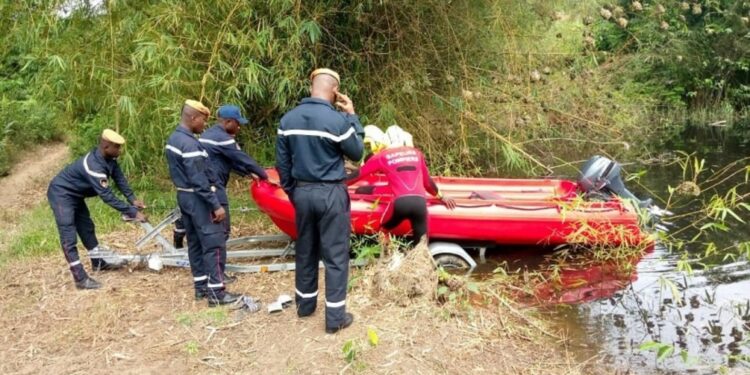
(600, 177)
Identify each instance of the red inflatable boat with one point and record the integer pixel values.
(490, 211)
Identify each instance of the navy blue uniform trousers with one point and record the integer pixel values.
(72, 217)
(206, 243)
(221, 194)
(179, 234)
(323, 229)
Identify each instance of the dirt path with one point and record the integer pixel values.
(26, 184)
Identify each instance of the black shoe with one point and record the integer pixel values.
(227, 299)
(229, 279)
(301, 315)
(201, 294)
(88, 283)
(348, 320)
(305, 314)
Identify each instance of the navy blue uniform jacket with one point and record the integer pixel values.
(89, 176)
(311, 140)
(226, 156)
(189, 166)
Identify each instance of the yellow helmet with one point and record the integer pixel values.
(375, 138)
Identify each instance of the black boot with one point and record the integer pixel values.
(348, 320)
(226, 299)
(179, 239)
(88, 283)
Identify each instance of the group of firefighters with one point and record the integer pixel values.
(312, 141)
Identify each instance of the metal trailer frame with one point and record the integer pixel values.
(174, 257)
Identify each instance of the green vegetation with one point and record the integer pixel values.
(486, 87)
(213, 317)
(353, 349)
(692, 52)
(494, 86)
(26, 118)
(192, 347)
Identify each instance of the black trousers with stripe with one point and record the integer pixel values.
(72, 218)
(206, 243)
(179, 234)
(323, 229)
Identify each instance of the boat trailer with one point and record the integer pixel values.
(446, 254)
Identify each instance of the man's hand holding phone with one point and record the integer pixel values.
(343, 102)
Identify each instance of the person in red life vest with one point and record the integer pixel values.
(395, 156)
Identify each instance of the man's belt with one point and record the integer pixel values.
(305, 183)
(190, 190)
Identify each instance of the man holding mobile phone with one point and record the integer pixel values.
(313, 140)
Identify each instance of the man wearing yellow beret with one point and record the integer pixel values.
(202, 213)
(87, 177)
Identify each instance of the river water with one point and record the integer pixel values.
(703, 315)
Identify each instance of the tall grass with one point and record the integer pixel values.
(460, 75)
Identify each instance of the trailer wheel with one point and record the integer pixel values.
(451, 262)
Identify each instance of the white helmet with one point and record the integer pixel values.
(398, 137)
(375, 138)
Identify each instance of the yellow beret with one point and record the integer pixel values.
(326, 71)
(198, 106)
(112, 136)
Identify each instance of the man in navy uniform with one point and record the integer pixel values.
(313, 139)
(202, 214)
(87, 177)
(226, 156)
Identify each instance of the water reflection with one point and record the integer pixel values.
(705, 316)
